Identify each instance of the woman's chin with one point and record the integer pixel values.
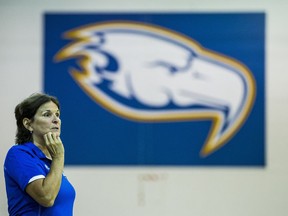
(56, 132)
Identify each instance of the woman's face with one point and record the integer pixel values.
(47, 119)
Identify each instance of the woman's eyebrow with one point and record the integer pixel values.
(48, 110)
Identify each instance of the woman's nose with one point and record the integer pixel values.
(56, 119)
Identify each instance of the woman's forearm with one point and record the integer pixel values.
(44, 191)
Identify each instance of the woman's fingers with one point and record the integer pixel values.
(46, 139)
(52, 138)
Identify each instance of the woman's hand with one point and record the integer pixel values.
(54, 144)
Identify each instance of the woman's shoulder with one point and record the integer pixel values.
(18, 148)
(19, 154)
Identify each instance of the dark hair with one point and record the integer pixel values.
(27, 109)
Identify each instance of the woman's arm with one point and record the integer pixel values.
(44, 191)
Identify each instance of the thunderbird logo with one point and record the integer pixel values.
(146, 73)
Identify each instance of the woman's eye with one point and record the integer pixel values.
(47, 114)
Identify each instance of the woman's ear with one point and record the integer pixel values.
(27, 125)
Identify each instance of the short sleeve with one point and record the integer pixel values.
(23, 167)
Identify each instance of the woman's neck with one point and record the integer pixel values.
(43, 149)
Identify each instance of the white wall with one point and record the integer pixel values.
(154, 191)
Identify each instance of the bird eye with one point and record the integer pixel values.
(171, 68)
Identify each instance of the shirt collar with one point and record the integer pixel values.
(37, 151)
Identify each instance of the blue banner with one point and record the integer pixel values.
(158, 89)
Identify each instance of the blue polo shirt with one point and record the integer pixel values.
(26, 163)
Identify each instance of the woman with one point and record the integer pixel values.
(33, 168)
